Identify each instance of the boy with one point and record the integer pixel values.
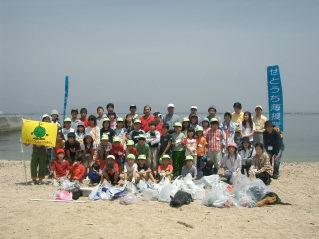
(83, 113)
(165, 169)
(111, 173)
(144, 172)
(103, 150)
(237, 118)
(137, 131)
(130, 148)
(110, 110)
(120, 131)
(153, 138)
(214, 139)
(189, 167)
(77, 170)
(60, 166)
(67, 128)
(72, 148)
(201, 149)
(95, 174)
(74, 118)
(165, 141)
(133, 112)
(117, 150)
(130, 169)
(100, 116)
(178, 149)
(142, 147)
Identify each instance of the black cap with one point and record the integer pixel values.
(71, 135)
(132, 106)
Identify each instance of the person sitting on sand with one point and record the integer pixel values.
(72, 148)
(231, 162)
(77, 170)
(60, 166)
(117, 150)
(261, 165)
(144, 172)
(208, 169)
(189, 168)
(111, 172)
(130, 169)
(247, 153)
(166, 168)
(95, 174)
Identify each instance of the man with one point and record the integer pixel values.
(237, 118)
(146, 118)
(100, 116)
(133, 112)
(212, 114)
(171, 118)
(259, 121)
(74, 118)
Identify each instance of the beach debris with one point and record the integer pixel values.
(185, 224)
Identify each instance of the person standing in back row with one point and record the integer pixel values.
(171, 118)
(237, 118)
(146, 118)
(259, 121)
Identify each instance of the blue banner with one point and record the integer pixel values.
(275, 99)
(66, 94)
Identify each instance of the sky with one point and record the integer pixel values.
(155, 52)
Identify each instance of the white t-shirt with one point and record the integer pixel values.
(66, 131)
(247, 130)
(129, 169)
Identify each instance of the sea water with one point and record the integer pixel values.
(300, 138)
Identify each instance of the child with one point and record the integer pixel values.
(55, 118)
(247, 127)
(130, 148)
(189, 167)
(165, 141)
(214, 141)
(111, 173)
(185, 125)
(158, 122)
(261, 165)
(83, 113)
(201, 150)
(60, 165)
(153, 138)
(117, 150)
(246, 153)
(144, 172)
(231, 162)
(165, 169)
(72, 148)
(228, 128)
(193, 122)
(89, 150)
(95, 174)
(77, 170)
(93, 130)
(120, 131)
(205, 125)
(100, 116)
(112, 117)
(142, 147)
(178, 149)
(130, 169)
(137, 131)
(237, 118)
(208, 169)
(103, 151)
(67, 128)
(106, 130)
(80, 132)
(128, 123)
(190, 144)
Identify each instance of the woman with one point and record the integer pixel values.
(246, 153)
(247, 127)
(231, 162)
(261, 165)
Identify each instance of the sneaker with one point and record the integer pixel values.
(275, 176)
(40, 182)
(33, 182)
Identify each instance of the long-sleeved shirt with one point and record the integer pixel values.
(247, 155)
(262, 163)
(231, 163)
(214, 139)
(171, 119)
(228, 130)
(153, 138)
(272, 142)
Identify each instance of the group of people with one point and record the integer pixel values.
(108, 147)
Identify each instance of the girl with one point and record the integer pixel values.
(106, 129)
(185, 125)
(193, 121)
(120, 131)
(67, 128)
(205, 125)
(231, 162)
(89, 150)
(60, 165)
(261, 165)
(228, 128)
(165, 169)
(190, 145)
(246, 153)
(201, 150)
(128, 123)
(247, 127)
(112, 117)
(93, 130)
(80, 132)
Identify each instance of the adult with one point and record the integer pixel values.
(272, 144)
(212, 114)
(171, 118)
(110, 109)
(74, 118)
(237, 118)
(133, 112)
(100, 116)
(259, 121)
(193, 111)
(83, 114)
(146, 118)
(55, 118)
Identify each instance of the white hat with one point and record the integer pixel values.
(110, 156)
(54, 112)
(194, 107)
(171, 105)
(45, 115)
(259, 106)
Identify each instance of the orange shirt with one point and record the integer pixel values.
(77, 171)
(201, 145)
(163, 168)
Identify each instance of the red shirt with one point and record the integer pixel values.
(85, 121)
(134, 151)
(60, 168)
(145, 122)
(117, 150)
(77, 171)
(111, 170)
(159, 127)
(163, 168)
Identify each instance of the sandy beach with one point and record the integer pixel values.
(22, 218)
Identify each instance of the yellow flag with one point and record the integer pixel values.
(40, 133)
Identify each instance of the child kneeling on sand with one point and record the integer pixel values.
(77, 170)
(130, 168)
(165, 169)
(60, 166)
(144, 172)
(189, 167)
(111, 172)
(95, 174)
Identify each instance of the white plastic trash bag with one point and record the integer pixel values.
(190, 187)
(165, 192)
(95, 193)
(176, 185)
(149, 194)
(129, 198)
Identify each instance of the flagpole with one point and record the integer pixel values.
(66, 94)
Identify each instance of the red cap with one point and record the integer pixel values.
(59, 151)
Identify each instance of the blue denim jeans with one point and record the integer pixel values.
(228, 175)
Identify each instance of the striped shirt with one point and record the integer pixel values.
(214, 140)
